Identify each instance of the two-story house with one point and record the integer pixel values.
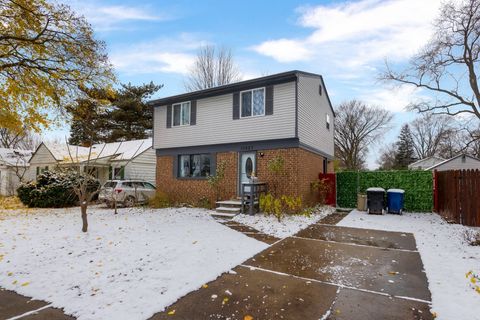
(244, 125)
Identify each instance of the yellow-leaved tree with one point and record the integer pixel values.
(48, 56)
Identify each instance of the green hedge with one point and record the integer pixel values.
(418, 186)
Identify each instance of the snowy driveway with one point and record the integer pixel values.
(323, 272)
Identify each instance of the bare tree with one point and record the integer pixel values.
(357, 126)
(428, 133)
(212, 68)
(388, 153)
(22, 139)
(84, 173)
(447, 65)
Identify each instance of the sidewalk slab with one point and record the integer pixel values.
(376, 238)
(12, 304)
(259, 294)
(358, 305)
(396, 272)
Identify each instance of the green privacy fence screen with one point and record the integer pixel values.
(418, 186)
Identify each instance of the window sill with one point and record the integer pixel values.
(192, 178)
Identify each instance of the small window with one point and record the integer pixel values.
(119, 173)
(194, 165)
(252, 103)
(327, 121)
(181, 114)
(320, 89)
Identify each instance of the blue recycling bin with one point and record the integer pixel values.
(395, 200)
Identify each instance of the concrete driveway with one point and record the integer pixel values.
(323, 272)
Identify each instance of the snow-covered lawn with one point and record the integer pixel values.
(128, 266)
(289, 225)
(445, 255)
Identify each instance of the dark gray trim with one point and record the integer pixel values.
(314, 150)
(269, 100)
(193, 112)
(236, 106)
(296, 108)
(176, 169)
(169, 116)
(233, 87)
(238, 146)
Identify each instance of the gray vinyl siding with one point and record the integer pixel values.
(215, 124)
(312, 110)
(142, 167)
(457, 164)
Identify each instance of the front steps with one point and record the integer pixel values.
(228, 209)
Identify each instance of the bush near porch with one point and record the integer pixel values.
(418, 186)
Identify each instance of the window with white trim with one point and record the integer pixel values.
(252, 103)
(327, 121)
(181, 114)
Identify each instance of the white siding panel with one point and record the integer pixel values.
(312, 110)
(43, 157)
(457, 164)
(142, 167)
(215, 124)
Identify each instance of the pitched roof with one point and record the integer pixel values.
(453, 158)
(15, 157)
(239, 86)
(416, 163)
(115, 151)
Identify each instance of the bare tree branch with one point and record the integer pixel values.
(447, 65)
(212, 69)
(358, 125)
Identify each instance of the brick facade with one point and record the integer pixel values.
(301, 168)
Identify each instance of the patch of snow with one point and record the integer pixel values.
(127, 266)
(288, 226)
(445, 255)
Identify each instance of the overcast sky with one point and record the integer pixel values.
(347, 42)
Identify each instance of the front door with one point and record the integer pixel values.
(247, 166)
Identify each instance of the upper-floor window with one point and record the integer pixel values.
(181, 114)
(327, 121)
(252, 102)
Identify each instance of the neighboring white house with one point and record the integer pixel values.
(119, 160)
(13, 168)
(459, 162)
(425, 163)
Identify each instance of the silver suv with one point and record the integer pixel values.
(126, 192)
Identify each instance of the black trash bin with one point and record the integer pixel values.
(375, 200)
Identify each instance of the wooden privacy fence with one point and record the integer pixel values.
(457, 196)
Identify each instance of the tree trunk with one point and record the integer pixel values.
(83, 208)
